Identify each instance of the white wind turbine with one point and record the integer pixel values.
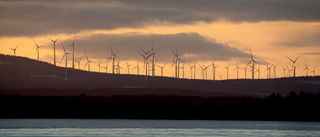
(275, 71)
(54, 50)
(245, 72)
(106, 67)
(37, 50)
(161, 67)
(293, 65)
(268, 71)
(73, 48)
(314, 71)
(289, 70)
(88, 61)
(253, 62)
(65, 55)
(192, 67)
(220, 76)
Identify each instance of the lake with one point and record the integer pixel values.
(154, 128)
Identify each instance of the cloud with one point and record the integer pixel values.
(193, 47)
(29, 18)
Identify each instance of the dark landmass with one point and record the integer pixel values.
(293, 107)
(24, 76)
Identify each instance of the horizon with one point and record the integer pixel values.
(214, 32)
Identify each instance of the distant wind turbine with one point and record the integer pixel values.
(73, 48)
(65, 55)
(146, 57)
(54, 50)
(176, 61)
(137, 67)
(214, 71)
(293, 65)
(88, 61)
(253, 62)
(161, 67)
(237, 68)
(245, 72)
(112, 57)
(128, 67)
(306, 69)
(37, 50)
(14, 49)
(227, 72)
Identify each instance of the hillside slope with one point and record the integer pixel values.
(19, 73)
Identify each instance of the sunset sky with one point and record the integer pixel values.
(203, 30)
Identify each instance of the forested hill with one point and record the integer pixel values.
(22, 75)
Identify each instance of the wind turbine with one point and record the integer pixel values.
(237, 68)
(14, 49)
(314, 71)
(137, 67)
(176, 61)
(275, 71)
(268, 71)
(146, 57)
(161, 67)
(245, 72)
(221, 76)
(253, 62)
(284, 72)
(99, 66)
(306, 69)
(54, 50)
(206, 70)
(182, 70)
(113, 57)
(258, 72)
(88, 61)
(37, 49)
(194, 71)
(227, 72)
(214, 70)
(106, 67)
(293, 65)
(202, 71)
(73, 48)
(65, 55)
(78, 61)
(289, 70)
(128, 66)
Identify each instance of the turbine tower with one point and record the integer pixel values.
(54, 50)
(73, 48)
(275, 71)
(293, 65)
(65, 55)
(284, 72)
(99, 66)
(258, 72)
(253, 62)
(88, 61)
(37, 50)
(202, 71)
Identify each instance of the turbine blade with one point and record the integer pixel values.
(289, 58)
(296, 59)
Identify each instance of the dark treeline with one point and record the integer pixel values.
(294, 107)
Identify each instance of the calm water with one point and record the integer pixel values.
(154, 128)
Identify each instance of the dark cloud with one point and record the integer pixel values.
(193, 47)
(29, 18)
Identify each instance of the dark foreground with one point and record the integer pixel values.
(294, 107)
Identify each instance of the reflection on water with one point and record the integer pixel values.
(149, 128)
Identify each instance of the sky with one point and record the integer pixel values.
(204, 31)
